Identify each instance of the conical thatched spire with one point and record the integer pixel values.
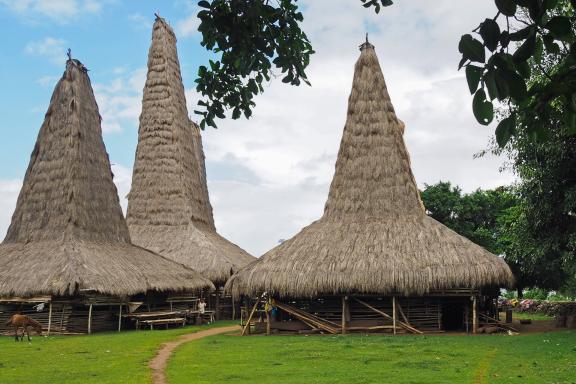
(374, 236)
(373, 178)
(168, 206)
(68, 232)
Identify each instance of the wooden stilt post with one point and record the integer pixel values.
(233, 308)
(268, 307)
(474, 315)
(90, 319)
(344, 311)
(49, 317)
(217, 304)
(120, 318)
(394, 313)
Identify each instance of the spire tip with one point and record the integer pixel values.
(366, 44)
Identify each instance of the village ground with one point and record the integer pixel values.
(358, 359)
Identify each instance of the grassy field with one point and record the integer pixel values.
(533, 316)
(354, 359)
(103, 358)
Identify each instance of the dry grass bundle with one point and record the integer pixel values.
(68, 232)
(374, 236)
(169, 210)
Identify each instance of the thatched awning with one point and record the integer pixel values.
(68, 233)
(374, 236)
(169, 209)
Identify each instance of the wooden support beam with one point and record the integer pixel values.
(120, 317)
(394, 313)
(308, 318)
(268, 308)
(49, 317)
(247, 326)
(474, 315)
(344, 310)
(401, 323)
(217, 304)
(90, 319)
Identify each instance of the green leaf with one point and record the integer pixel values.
(570, 121)
(522, 33)
(473, 74)
(524, 69)
(526, 50)
(471, 49)
(538, 51)
(560, 26)
(505, 130)
(491, 86)
(482, 108)
(506, 7)
(490, 32)
(204, 4)
(516, 84)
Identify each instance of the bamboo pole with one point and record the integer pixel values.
(120, 318)
(267, 317)
(394, 313)
(247, 326)
(474, 315)
(49, 317)
(217, 304)
(90, 319)
(402, 324)
(344, 310)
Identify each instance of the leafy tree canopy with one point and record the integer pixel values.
(498, 58)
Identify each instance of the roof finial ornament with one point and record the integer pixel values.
(69, 54)
(366, 44)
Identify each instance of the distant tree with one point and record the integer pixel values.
(474, 215)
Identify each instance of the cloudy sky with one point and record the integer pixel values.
(268, 176)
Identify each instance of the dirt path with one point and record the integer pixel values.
(160, 361)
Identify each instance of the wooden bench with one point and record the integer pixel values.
(175, 320)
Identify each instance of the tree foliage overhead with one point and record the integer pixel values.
(498, 58)
(250, 37)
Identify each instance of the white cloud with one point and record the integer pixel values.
(120, 100)
(188, 26)
(140, 21)
(48, 81)
(59, 11)
(51, 48)
(9, 190)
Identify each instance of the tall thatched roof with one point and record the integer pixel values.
(68, 233)
(169, 209)
(374, 236)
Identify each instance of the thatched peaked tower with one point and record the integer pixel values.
(169, 210)
(374, 236)
(68, 233)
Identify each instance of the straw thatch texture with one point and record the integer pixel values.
(169, 210)
(67, 232)
(374, 236)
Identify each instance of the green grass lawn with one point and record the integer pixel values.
(102, 358)
(354, 359)
(533, 316)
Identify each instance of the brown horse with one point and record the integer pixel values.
(25, 322)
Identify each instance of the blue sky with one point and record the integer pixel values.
(111, 40)
(267, 176)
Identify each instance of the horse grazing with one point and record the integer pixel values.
(25, 322)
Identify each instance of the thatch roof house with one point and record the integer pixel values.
(374, 237)
(169, 209)
(68, 235)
